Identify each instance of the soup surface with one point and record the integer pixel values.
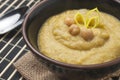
(80, 37)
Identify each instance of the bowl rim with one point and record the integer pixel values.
(62, 64)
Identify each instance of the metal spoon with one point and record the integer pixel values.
(12, 19)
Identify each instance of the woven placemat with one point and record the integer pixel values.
(31, 69)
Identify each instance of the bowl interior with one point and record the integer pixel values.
(48, 8)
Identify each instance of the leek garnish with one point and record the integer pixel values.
(87, 21)
(79, 19)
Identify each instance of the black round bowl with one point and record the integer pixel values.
(43, 10)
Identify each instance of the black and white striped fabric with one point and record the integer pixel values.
(12, 45)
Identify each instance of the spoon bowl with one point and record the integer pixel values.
(12, 19)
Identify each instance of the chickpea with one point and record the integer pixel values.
(69, 21)
(86, 34)
(74, 30)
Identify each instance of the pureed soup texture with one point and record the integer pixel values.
(80, 37)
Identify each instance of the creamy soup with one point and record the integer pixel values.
(80, 37)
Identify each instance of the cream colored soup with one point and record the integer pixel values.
(56, 42)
